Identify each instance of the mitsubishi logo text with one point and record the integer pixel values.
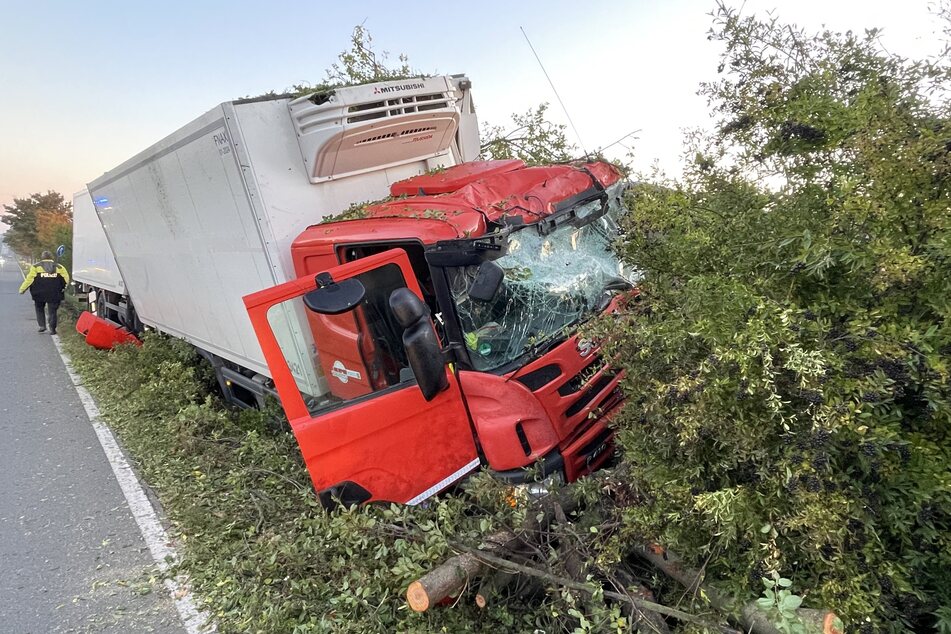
(385, 89)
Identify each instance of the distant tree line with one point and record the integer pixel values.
(38, 223)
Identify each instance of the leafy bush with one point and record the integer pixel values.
(788, 363)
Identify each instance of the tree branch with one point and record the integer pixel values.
(641, 604)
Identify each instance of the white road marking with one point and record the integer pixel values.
(163, 552)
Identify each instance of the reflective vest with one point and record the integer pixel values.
(46, 281)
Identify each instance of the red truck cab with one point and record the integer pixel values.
(442, 325)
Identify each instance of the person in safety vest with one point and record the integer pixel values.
(46, 281)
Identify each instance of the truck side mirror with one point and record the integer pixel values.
(419, 339)
(332, 298)
(487, 281)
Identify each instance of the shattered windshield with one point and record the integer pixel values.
(551, 283)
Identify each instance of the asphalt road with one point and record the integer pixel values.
(72, 558)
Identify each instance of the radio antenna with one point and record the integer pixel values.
(555, 90)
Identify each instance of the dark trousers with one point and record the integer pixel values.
(41, 317)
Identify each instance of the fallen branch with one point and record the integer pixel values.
(573, 565)
(644, 623)
(449, 578)
(492, 586)
(752, 618)
(641, 604)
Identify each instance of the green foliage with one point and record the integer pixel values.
(360, 64)
(531, 138)
(39, 222)
(356, 211)
(788, 363)
(779, 602)
(255, 543)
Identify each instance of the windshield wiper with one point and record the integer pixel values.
(612, 284)
(617, 284)
(569, 213)
(539, 348)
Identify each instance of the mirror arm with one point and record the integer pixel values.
(455, 353)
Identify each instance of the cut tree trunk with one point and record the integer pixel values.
(451, 577)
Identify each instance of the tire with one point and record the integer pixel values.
(101, 299)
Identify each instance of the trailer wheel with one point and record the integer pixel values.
(130, 318)
(100, 303)
(137, 325)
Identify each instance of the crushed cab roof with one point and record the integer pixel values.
(464, 200)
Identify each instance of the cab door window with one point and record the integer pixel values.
(417, 259)
(340, 358)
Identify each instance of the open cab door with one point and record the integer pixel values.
(344, 349)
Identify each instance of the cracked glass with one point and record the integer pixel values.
(552, 282)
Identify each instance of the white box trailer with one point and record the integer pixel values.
(93, 262)
(208, 214)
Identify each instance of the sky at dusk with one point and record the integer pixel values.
(86, 85)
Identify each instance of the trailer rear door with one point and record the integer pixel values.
(371, 435)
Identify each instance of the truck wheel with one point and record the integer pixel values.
(137, 325)
(100, 303)
(130, 318)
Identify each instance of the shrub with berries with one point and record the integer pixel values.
(800, 270)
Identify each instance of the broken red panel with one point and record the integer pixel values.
(102, 333)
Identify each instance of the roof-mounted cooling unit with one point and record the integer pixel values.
(364, 128)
